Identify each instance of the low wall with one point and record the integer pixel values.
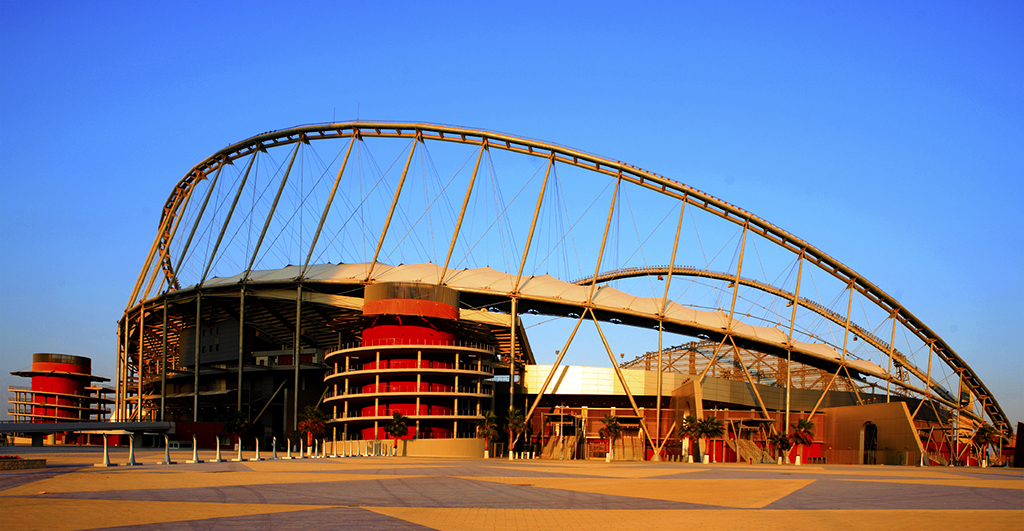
(21, 464)
(441, 448)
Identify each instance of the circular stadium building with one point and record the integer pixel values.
(368, 269)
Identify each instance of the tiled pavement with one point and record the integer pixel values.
(450, 494)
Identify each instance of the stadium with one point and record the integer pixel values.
(369, 269)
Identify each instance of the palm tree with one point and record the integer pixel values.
(516, 427)
(397, 427)
(780, 443)
(239, 425)
(312, 423)
(710, 428)
(688, 430)
(487, 429)
(612, 430)
(987, 435)
(803, 435)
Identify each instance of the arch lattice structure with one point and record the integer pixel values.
(509, 222)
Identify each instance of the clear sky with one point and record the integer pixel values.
(889, 135)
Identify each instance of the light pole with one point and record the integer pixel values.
(561, 429)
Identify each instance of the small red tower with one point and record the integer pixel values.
(62, 391)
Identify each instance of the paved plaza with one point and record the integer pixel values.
(459, 494)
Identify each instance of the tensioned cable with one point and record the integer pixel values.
(359, 207)
(497, 218)
(640, 244)
(427, 209)
(500, 208)
(287, 223)
(249, 216)
(573, 226)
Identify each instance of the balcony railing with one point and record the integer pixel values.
(412, 364)
(390, 412)
(410, 388)
(413, 342)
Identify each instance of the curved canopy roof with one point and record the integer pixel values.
(560, 297)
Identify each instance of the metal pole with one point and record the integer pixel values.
(558, 360)
(298, 353)
(181, 201)
(824, 392)
(270, 215)
(888, 372)
(959, 410)
(789, 338)
(739, 358)
(512, 355)
(195, 224)
(928, 384)
(124, 370)
(736, 282)
(241, 343)
(163, 367)
(622, 379)
(533, 223)
(604, 240)
(661, 324)
(227, 219)
(846, 339)
(462, 213)
(195, 358)
(327, 207)
(142, 345)
(394, 204)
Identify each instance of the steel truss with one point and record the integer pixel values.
(147, 333)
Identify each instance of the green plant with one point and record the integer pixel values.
(710, 428)
(312, 422)
(612, 430)
(487, 428)
(780, 443)
(516, 426)
(688, 429)
(985, 436)
(239, 425)
(803, 434)
(398, 426)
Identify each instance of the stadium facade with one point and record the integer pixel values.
(291, 270)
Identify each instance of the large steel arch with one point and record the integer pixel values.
(160, 264)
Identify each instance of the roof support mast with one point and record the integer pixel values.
(391, 212)
(789, 337)
(462, 213)
(661, 324)
(515, 296)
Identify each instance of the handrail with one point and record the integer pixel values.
(412, 342)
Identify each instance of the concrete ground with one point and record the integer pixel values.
(460, 494)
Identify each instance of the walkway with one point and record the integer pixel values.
(449, 494)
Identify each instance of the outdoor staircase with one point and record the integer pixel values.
(628, 449)
(748, 450)
(553, 448)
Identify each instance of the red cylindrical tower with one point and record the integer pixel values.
(59, 380)
(61, 391)
(412, 362)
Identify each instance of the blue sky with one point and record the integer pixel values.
(889, 135)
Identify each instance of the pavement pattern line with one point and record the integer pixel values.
(418, 494)
(740, 494)
(656, 520)
(25, 514)
(951, 482)
(135, 480)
